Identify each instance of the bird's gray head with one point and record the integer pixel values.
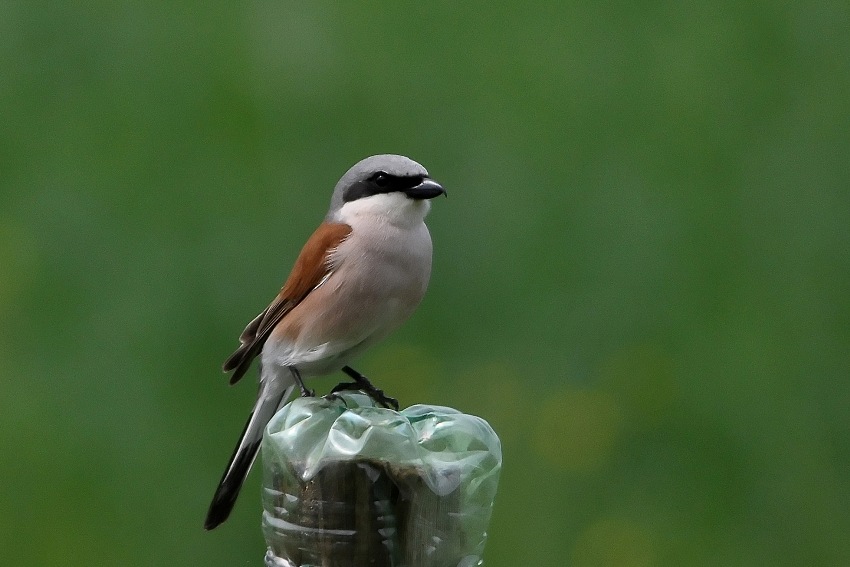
(386, 173)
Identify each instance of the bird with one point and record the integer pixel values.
(359, 276)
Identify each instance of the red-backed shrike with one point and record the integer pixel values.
(358, 277)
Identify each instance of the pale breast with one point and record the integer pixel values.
(386, 262)
(380, 275)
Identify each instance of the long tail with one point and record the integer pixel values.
(270, 397)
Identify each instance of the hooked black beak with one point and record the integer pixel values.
(427, 189)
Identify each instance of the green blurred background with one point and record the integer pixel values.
(641, 276)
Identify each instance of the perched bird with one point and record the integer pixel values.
(359, 276)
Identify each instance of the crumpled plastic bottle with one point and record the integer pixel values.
(349, 484)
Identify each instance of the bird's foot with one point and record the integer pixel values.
(345, 387)
(381, 398)
(333, 395)
(305, 392)
(363, 385)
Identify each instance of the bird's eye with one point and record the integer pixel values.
(381, 179)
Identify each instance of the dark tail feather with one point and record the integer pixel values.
(243, 457)
(231, 482)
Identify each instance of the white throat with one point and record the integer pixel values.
(394, 208)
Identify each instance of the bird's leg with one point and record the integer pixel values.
(362, 383)
(300, 382)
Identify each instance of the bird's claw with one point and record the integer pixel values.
(381, 398)
(335, 396)
(344, 387)
(367, 388)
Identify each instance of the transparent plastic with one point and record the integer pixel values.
(348, 484)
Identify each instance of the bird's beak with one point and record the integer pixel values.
(428, 189)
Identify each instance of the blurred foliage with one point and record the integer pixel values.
(641, 275)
